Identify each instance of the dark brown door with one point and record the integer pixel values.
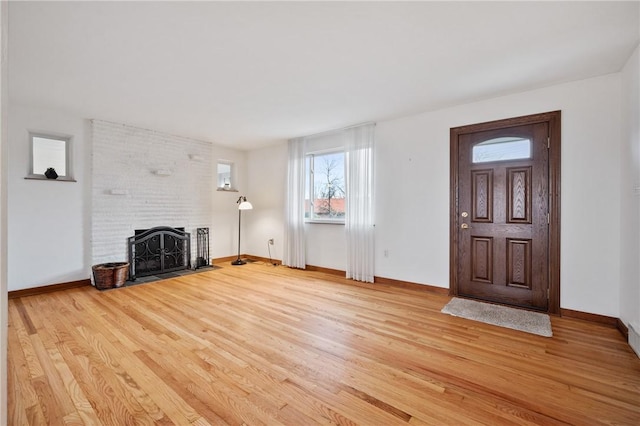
(503, 208)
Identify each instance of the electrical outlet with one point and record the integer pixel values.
(270, 241)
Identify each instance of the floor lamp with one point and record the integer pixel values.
(243, 204)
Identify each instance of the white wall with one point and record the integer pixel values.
(266, 172)
(48, 222)
(4, 321)
(224, 223)
(326, 245)
(412, 199)
(630, 187)
(412, 191)
(413, 182)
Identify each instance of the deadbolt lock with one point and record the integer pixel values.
(464, 214)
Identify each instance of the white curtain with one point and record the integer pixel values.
(359, 221)
(294, 241)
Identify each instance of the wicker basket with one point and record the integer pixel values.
(110, 275)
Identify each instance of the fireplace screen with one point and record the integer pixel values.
(158, 250)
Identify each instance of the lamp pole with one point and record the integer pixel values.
(243, 204)
(239, 261)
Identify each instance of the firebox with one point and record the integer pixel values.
(158, 250)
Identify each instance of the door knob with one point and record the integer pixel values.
(464, 226)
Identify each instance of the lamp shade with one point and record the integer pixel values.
(245, 205)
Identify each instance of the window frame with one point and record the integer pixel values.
(232, 176)
(309, 173)
(68, 142)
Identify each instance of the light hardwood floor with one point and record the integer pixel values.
(264, 345)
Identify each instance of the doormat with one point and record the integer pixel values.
(503, 316)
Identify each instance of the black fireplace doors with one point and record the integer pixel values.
(158, 250)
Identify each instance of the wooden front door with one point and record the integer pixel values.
(501, 216)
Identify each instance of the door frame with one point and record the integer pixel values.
(553, 119)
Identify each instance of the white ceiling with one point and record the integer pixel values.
(247, 74)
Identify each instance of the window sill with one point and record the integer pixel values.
(227, 190)
(324, 222)
(59, 179)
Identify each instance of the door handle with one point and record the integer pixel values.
(464, 226)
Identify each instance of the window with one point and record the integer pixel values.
(50, 152)
(502, 149)
(225, 175)
(325, 187)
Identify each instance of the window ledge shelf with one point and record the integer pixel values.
(59, 179)
(227, 190)
(324, 222)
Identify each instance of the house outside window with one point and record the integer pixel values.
(325, 187)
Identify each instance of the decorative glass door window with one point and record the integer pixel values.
(502, 149)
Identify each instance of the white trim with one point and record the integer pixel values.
(311, 188)
(324, 222)
(68, 139)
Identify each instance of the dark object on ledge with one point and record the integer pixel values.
(51, 173)
(110, 275)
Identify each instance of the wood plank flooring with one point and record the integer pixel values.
(264, 345)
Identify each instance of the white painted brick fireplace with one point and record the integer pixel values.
(142, 179)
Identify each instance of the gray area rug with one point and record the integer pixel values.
(503, 316)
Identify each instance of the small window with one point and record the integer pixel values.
(225, 175)
(50, 152)
(325, 187)
(502, 149)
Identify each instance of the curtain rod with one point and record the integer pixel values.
(328, 132)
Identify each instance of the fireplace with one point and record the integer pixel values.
(158, 250)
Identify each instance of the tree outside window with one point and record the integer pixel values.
(325, 200)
